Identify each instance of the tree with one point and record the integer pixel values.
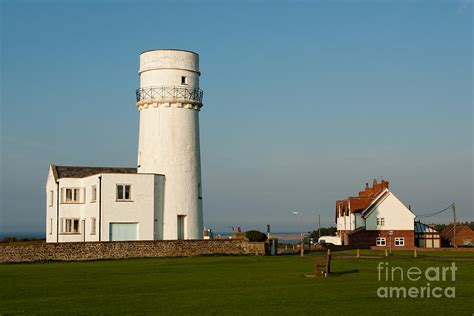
(255, 235)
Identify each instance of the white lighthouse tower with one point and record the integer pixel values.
(169, 101)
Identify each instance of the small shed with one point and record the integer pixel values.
(426, 237)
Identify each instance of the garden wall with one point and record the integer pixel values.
(78, 251)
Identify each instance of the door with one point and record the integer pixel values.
(181, 227)
(123, 231)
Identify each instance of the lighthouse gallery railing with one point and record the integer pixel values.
(167, 93)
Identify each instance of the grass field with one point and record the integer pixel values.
(222, 285)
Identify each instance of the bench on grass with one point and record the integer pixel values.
(322, 265)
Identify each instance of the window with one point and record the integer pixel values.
(72, 195)
(124, 192)
(50, 226)
(93, 226)
(380, 221)
(399, 241)
(380, 241)
(93, 193)
(70, 226)
(184, 80)
(50, 198)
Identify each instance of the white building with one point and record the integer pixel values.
(376, 217)
(161, 198)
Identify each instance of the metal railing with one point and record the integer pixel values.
(169, 93)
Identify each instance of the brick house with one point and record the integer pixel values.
(464, 235)
(376, 217)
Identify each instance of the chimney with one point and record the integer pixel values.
(366, 185)
(374, 183)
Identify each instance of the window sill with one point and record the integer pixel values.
(123, 200)
(70, 234)
(72, 203)
(93, 201)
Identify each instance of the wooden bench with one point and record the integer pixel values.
(322, 265)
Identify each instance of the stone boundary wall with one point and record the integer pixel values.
(80, 251)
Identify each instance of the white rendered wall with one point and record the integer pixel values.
(359, 221)
(397, 216)
(169, 139)
(145, 207)
(51, 210)
(141, 208)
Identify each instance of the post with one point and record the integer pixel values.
(386, 252)
(358, 254)
(302, 240)
(415, 254)
(319, 226)
(454, 225)
(390, 241)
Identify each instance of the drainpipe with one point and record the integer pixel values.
(100, 208)
(57, 212)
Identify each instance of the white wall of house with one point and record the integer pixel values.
(344, 222)
(51, 208)
(358, 220)
(395, 214)
(144, 208)
(140, 209)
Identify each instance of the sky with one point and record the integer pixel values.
(304, 102)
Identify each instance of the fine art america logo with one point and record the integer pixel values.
(438, 281)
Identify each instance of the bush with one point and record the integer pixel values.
(255, 235)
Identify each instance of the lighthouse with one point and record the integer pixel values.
(169, 101)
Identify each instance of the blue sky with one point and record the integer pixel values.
(304, 101)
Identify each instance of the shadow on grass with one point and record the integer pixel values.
(339, 273)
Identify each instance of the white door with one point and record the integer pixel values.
(123, 231)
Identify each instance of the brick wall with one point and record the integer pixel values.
(31, 252)
(367, 238)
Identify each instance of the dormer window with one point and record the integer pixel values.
(184, 80)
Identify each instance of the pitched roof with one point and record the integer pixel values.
(376, 202)
(82, 172)
(423, 228)
(357, 204)
(448, 232)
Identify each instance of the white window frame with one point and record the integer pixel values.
(381, 241)
(67, 226)
(399, 241)
(93, 226)
(50, 226)
(124, 188)
(184, 80)
(75, 195)
(93, 193)
(380, 221)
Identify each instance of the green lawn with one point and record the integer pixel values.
(221, 285)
